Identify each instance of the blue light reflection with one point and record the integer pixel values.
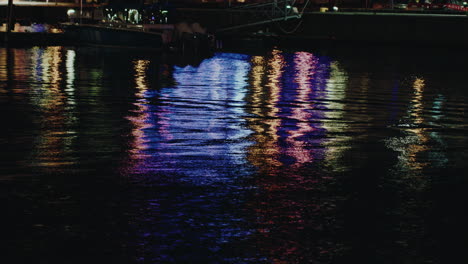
(196, 128)
(217, 133)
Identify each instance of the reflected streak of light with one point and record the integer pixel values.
(53, 59)
(16, 61)
(216, 71)
(46, 63)
(276, 64)
(266, 152)
(5, 69)
(70, 67)
(258, 71)
(4, 64)
(70, 94)
(52, 102)
(140, 121)
(336, 87)
(20, 58)
(36, 63)
(439, 158)
(140, 67)
(305, 64)
(417, 116)
(418, 87)
(415, 142)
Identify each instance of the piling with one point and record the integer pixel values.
(10, 20)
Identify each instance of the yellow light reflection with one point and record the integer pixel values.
(142, 114)
(3, 65)
(418, 87)
(416, 139)
(421, 137)
(257, 73)
(56, 139)
(140, 67)
(5, 70)
(264, 154)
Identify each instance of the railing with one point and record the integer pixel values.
(264, 13)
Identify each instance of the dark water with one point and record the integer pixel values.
(326, 155)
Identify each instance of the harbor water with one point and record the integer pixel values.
(313, 155)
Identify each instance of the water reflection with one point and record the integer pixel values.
(263, 100)
(416, 140)
(286, 102)
(287, 112)
(191, 136)
(285, 157)
(142, 119)
(37, 75)
(38, 28)
(50, 100)
(334, 121)
(202, 113)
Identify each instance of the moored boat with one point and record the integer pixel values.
(149, 27)
(111, 35)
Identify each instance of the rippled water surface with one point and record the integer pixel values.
(326, 155)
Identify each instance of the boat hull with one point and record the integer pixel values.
(113, 36)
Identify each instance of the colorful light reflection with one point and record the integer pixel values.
(287, 115)
(199, 119)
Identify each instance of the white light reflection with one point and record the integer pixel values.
(209, 110)
(70, 80)
(71, 119)
(334, 122)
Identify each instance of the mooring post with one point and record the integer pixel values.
(9, 20)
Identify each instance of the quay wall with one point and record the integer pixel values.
(41, 12)
(386, 27)
(403, 28)
(38, 14)
(19, 39)
(389, 28)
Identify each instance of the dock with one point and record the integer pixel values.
(407, 28)
(371, 26)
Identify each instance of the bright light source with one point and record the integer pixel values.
(71, 12)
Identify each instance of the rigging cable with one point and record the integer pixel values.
(298, 24)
